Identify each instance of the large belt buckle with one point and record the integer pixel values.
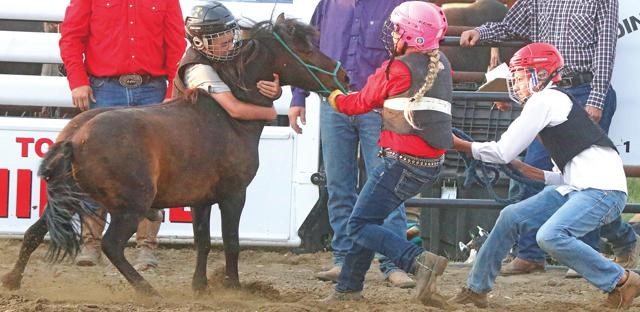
(130, 81)
(566, 82)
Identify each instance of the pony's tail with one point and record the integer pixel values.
(65, 199)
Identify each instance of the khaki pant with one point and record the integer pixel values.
(92, 228)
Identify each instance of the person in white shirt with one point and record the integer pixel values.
(586, 189)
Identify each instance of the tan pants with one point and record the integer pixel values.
(92, 228)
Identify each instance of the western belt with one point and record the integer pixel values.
(575, 79)
(411, 160)
(131, 80)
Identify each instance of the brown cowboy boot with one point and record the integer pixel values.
(90, 254)
(146, 259)
(336, 297)
(467, 295)
(520, 266)
(329, 275)
(147, 243)
(400, 279)
(622, 296)
(91, 231)
(629, 260)
(571, 273)
(427, 267)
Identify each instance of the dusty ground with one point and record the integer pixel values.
(271, 281)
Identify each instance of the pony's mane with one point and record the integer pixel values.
(290, 28)
(191, 95)
(303, 36)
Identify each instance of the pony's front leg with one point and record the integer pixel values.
(32, 239)
(202, 239)
(230, 211)
(121, 228)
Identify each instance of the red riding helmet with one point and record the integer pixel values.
(537, 60)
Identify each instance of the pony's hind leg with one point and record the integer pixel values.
(202, 239)
(121, 228)
(230, 211)
(32, 239)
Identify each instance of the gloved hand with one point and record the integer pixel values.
(332, 99)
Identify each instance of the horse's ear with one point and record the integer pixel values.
(280, 18)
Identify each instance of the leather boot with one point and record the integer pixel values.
(520, 266)
(622, 296)
(467, 295)
(427, 267)
(329, 275)
(400, 279)
(337, 297)
(90, 254)
(629, 260)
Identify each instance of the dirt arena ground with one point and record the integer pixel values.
(271, 281)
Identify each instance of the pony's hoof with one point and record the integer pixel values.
(149, 293)
(232, 284)
(199, 288)
(11, 281)
(145, 290)
(201, 292)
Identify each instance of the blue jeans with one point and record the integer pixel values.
(558, 220)
(109, 93)
(618, 233)
(389, 185)
(340, 135)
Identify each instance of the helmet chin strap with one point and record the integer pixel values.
(547, 80)
(403, 49)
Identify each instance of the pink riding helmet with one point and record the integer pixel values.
(420, 24)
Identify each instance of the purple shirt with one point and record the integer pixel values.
(350, 32)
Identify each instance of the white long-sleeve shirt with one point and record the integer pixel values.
(596, 167)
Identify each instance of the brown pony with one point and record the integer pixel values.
(187, 152)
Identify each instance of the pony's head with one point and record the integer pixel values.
(296, 57)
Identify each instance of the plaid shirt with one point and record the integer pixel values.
(584, 31)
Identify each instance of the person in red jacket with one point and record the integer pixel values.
(414, 92)
(120, 53)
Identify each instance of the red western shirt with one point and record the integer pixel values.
(373, 94)
(105, 38)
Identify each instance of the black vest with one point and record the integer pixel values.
(435, 126)
(576, 134)
(192, 56)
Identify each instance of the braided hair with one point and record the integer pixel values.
(433, 68)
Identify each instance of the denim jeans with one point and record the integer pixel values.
(341, 135)
(618, 233)
(558, 220)
(389, 185)
(109, 93)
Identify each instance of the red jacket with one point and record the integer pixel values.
(373, 94)
(105, 38)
